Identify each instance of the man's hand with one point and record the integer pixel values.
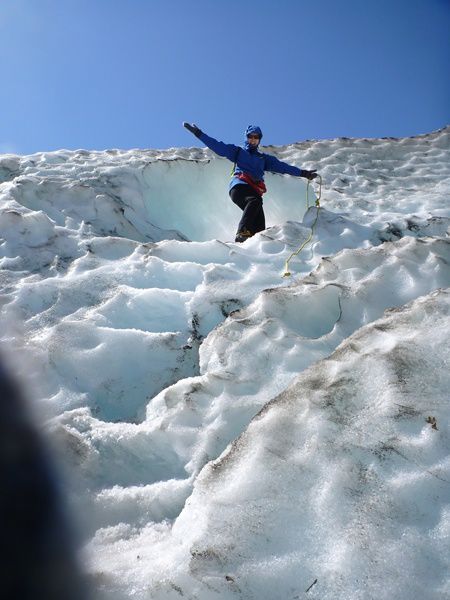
(192, 128)
(309, 174)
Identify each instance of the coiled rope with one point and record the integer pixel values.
(287, 273)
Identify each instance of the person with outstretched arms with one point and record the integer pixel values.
(247, 181)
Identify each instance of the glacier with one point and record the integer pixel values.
(222, 430)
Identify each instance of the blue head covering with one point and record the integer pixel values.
(252, 129)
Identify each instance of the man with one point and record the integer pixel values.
(247, 182)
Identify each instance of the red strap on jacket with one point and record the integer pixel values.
(258, 186)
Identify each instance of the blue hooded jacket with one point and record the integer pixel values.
(249, 159)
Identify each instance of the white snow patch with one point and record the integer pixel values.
(226, 431)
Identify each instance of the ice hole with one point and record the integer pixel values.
(192, 198)
(313, 315)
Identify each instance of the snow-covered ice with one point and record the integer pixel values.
(225, 431)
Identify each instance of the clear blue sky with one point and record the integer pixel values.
(102, 74)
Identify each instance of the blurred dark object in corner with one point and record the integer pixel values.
(38, 558)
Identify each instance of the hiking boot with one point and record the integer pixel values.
(243, 235)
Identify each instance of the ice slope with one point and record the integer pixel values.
(148, 354)
(338, 480)
(338, 486)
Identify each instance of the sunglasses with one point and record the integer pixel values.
(253, 136)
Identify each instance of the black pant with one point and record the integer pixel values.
(251, 203)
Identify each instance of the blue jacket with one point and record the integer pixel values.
(248, 160)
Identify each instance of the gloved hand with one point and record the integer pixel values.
(309, 174)
(192, 128)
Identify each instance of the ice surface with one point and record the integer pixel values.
(228, 432)
(340, 478)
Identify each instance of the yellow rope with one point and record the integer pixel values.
(287, 273)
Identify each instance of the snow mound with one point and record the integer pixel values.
(364, 476)
(339, 486)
